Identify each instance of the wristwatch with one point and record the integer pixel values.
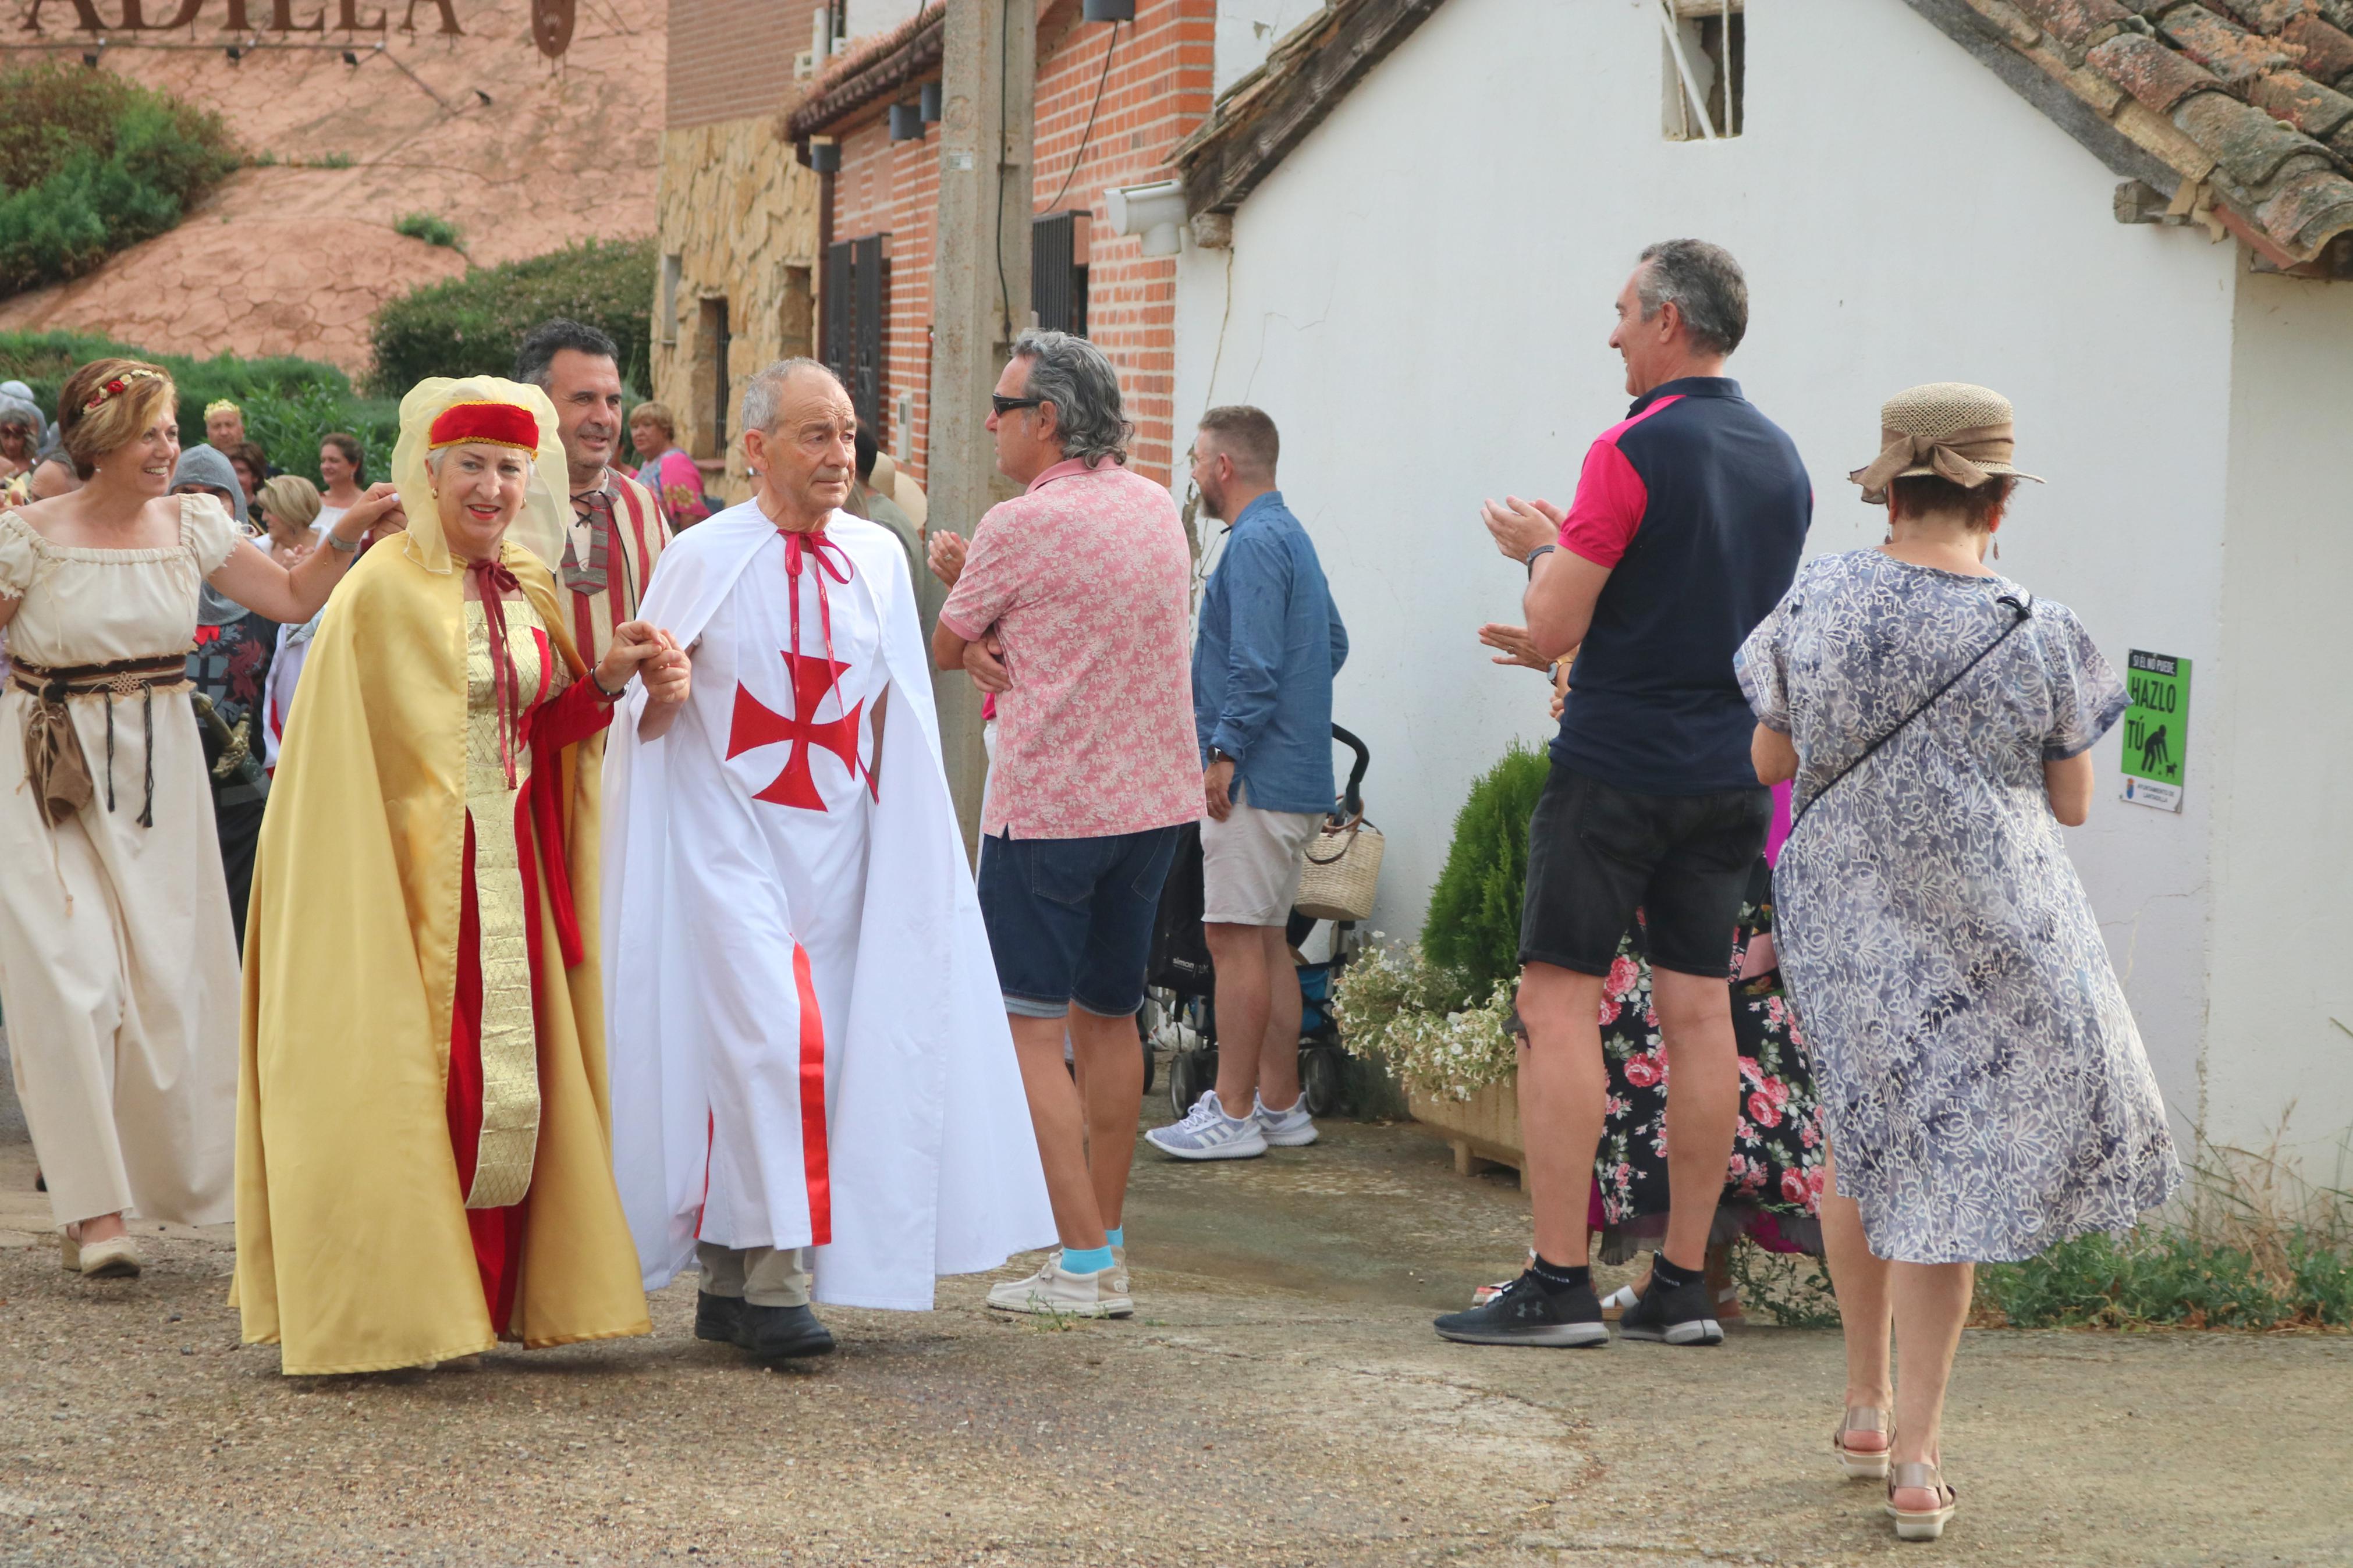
(1217, 755)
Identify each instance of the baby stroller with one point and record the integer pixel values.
(1180, 999)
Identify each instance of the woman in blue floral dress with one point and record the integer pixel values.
(1983, 1085)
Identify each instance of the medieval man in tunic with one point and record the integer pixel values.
(616, 531)
(814, 1092)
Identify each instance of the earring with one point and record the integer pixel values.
(1997, 547)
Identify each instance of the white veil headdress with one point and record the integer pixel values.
(539, 527)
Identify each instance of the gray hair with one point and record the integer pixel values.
(1072, 374)
(764, 397)
(536, 355)
(1705, 286)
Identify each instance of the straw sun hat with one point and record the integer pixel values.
(1948, 428)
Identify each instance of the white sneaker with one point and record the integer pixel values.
(1055, 1291)
(1291, 1129)
(1208, 1133)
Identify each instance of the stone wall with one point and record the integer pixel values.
(738, 230)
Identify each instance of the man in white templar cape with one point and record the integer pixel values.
(814, 1089)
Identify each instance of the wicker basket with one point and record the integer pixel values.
(1343, 871)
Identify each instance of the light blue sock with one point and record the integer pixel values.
(1086, 1260)
(1115, 1236)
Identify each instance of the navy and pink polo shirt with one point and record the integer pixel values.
(1699, 505)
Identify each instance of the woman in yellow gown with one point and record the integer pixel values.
(423, 1160)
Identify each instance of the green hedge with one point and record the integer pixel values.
(1473, 926)
(472, 325)
(90, 162)
(288, 402)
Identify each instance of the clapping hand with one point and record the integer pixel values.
(1518, 526)
(945, 554)
(1514, 645)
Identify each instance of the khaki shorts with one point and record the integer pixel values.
(1251, 862)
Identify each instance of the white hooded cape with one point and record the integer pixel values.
(933, 1166)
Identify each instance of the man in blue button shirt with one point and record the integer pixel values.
(1271, 640)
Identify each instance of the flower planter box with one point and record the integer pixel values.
(1484, 1130)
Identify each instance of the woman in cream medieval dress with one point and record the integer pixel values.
(424, 1162)
(118, 970)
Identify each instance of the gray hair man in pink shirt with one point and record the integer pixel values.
(1072, 608)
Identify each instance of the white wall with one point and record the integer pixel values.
(864, 19)
(1247, 29)
(1420, 296)
(2279, 751)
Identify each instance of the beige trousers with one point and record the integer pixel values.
(763, 1276)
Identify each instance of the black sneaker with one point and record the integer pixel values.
(1527, 1312)
(781, 1333)
(1672, 1314)
(718, 1317)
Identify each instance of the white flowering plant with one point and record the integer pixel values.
(1394, 1006)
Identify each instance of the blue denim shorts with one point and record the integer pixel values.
(1070, 918)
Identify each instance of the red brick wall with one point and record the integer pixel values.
(1157, 91)
(733, 58)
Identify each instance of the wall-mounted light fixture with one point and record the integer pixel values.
(483, 96)
(824, 157)
(234, 54)
(906, 122)
(1157, 212)
(350, 58)
(89, 57)
(930, 103)
(1109, 11)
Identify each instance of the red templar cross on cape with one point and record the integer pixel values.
(754, 726)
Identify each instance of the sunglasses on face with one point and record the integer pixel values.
(1006, 405)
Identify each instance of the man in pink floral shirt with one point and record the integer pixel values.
(1072, 608)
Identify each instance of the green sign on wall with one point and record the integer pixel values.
(2156, 729)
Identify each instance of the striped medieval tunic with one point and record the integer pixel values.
(617, 535)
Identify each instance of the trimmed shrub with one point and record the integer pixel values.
(472, 325)
(1473, 925)
(288, 402)
(90, 162)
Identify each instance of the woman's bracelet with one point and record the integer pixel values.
(335, 542)
(597, 680)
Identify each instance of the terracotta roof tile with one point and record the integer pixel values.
(2082, 23)
(2151, 73)
(2317, 110)
(2327, 51)
(2227, 49)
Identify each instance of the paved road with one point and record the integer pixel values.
(1278, 1399)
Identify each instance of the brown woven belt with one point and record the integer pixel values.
(53, 763)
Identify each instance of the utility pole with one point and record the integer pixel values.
(980, 299)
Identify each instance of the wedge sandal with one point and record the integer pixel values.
(1926, 1525)
(1863, 1464)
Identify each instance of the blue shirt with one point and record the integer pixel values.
(1699, 505)
(1271, 641)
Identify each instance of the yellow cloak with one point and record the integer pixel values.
(352, 1249)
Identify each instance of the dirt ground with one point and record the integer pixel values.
(1279, 1398)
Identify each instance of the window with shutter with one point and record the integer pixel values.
(1058, 272)
(839, 347)
(869, 287)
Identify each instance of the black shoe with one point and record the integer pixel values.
(781, 1333)
(1528, 1312)
(1672, 1314)
(718, 1317)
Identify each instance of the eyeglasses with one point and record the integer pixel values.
(1006, 405)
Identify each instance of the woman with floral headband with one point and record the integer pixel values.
(423, 1143)
(120, 985)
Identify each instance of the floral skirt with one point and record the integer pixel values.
(1773, 1188)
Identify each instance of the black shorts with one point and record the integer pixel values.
(1597, 853)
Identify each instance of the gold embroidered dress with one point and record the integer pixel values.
(424, 1161)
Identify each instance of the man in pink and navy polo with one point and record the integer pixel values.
(1688, 521)
(1072, 608)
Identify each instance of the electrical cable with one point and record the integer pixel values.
(1084, 136)
(1004, 63)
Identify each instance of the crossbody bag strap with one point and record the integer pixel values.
(2021, 613)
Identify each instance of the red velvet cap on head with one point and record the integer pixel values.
(492, 423)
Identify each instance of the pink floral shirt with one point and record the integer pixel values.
(1085, 578)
